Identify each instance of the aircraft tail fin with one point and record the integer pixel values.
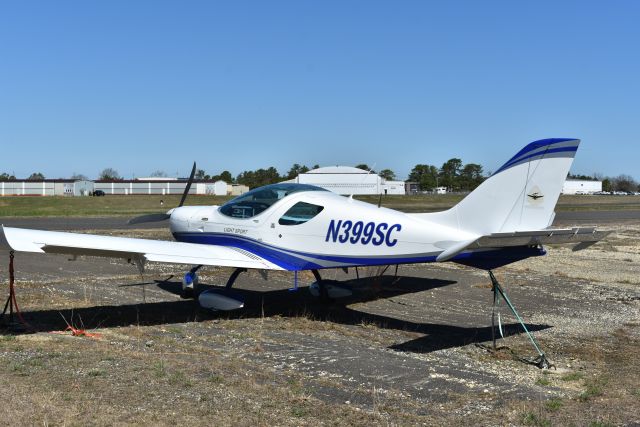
(520, 195)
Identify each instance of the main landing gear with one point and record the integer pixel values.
(213, 299)
(327, 290)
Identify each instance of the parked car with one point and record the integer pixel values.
(98, 193)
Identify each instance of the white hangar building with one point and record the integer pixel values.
(347, 180)
(158, 186)
(578, 186)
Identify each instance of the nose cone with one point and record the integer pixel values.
(191, 218)
(179, 220)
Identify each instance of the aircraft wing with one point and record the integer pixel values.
(138, 250)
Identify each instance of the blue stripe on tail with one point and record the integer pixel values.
(551, 147)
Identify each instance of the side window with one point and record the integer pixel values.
(300, 213)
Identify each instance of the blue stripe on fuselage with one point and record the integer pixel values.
(295, 260)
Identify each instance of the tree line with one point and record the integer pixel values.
(453, 174)
(620, 183)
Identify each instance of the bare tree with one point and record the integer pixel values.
(624, 183)
(110, 174)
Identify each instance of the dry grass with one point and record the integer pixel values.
(96, 206)
(606, 393)
(139, 377)
(136, 205)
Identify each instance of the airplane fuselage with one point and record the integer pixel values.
(345, 232)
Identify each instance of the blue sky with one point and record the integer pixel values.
(153, 85)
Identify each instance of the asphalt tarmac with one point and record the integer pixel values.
(563, 218)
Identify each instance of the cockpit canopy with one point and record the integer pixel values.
(260, 199)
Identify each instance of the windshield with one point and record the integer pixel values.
(260, 199)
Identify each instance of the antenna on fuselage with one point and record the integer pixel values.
(365, 177)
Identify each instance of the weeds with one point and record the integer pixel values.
(215, 378)
(543, 381)
(533, 419)
(95, 372)
(296, 386)
(299, 411)
(179, 378)
(573, 376)
(19, 368)
(593, 388)
(159, 369)
(553, 404)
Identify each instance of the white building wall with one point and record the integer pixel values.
(67, 188)
(220, 188)
(27, 188)
(393, 187)
(574, 186)
(237, 189)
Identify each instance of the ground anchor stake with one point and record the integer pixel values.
(541, 360)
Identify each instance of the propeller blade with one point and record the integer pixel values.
(149, 218)
(164, 216)
(186, 189)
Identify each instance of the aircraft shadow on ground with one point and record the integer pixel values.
(283, 303)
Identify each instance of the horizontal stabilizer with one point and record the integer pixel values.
(540, 237)
(454, 250)
(584, 236)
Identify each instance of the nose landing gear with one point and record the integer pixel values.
(190, 283)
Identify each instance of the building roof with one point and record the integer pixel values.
(338, 170)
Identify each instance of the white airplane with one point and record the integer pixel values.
(297, 227)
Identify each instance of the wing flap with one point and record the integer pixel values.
(26, 240)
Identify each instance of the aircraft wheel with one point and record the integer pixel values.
(189, 285)
(329, 291)
(319, 291)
